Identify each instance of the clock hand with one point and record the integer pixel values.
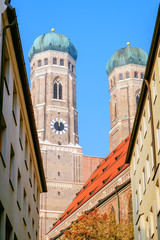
(59, 122)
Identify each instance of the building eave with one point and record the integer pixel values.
(11, 15)
(147, 76)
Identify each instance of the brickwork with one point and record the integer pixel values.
(62, 156)
(123, 101)
(89, 166)
(124, 198)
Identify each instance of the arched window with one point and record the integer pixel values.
(120, 76)
(142, 75)
(137, 99)
(127, 75)
(136, 74)
(111, 83)
(55, 61)
(46, 61)
(57, 90)
(61, 62)
(39, 63)
(72, 68)
(69, 65)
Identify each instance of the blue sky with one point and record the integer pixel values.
(97, 29)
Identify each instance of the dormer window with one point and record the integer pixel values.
(127, 75)
(61, 62)
(39, 63)
(46, 61)
(120, 76)
(136, 74)
(55, 61)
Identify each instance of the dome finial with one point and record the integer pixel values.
(52, 30)
(128, 44)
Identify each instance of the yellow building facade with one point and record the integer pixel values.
(144, 149)
(21, 168)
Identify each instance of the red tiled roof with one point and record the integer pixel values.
(108, 169)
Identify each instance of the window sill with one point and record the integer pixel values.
(34, 197)
(24, 220)
(20, 141)
(29, 235)
(11, 184)
(149, 119)
(6, 84)
(30, 181)
(154, 101)
(18, 205)
(145, 134)
(25, 161)
(14, 116)
(59, 100)
(1, 156)
(37, 210)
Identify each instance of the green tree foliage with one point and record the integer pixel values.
(98, 226)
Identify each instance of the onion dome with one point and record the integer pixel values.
(52, 41)
(127, 55)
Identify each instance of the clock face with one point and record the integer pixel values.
(59, 126)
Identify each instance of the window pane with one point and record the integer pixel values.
(61, 62)
(127, 75)
(142, 75)
(55, 91)
(60, 91)
(54, 61)
(46, 61)
(120, 77)
(135, 74)
(39, 63)
(137, 100)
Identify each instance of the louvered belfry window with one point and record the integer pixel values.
(57, 90)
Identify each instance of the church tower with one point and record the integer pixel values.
(125, 71)
(53, 89)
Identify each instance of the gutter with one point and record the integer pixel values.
(152, 124)
(2, 79)
(149, 68)
(26, 91)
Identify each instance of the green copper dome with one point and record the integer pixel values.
(52, 41)
(127, 55)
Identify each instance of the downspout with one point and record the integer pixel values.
(2, 67)
(152, 125)
(129, 125)
(116, 189)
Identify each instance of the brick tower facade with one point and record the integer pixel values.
(53, 88)
(125, 71)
